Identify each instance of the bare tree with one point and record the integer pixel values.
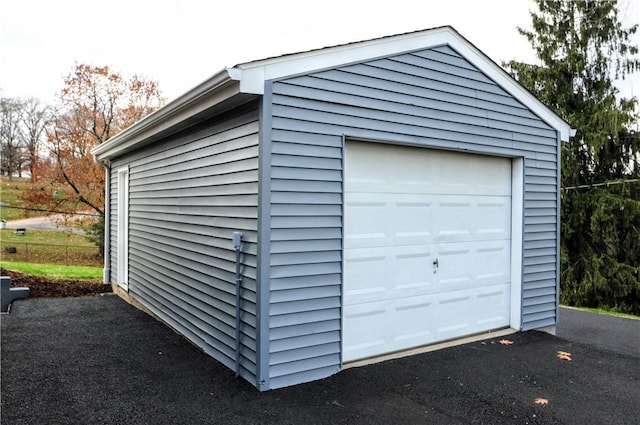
(34, 119)
(11, 140)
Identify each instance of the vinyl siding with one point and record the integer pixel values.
(432, 98)
(187, 195)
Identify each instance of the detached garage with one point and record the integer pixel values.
(296, 214)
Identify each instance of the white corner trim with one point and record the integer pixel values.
(122, 235)
(517, 243)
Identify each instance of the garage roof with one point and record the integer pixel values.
(236, 85)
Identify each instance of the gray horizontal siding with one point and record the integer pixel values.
(187, 195)
(432, 98)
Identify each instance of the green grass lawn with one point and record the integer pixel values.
(55, 271)
(45, 237)
(51, 247)
(602, 311)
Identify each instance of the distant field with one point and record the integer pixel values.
(10, 196)
(12, 207)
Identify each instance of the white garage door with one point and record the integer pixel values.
(426, 247)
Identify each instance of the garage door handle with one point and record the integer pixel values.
(435, 266)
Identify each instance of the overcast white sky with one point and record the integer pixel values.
(180, 43)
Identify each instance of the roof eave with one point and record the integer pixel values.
(221, 87)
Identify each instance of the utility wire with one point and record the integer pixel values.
(51, 211)
(609, 183)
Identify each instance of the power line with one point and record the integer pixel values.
(50, 211)
(609, 183)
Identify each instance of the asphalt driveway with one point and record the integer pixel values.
(98, 360)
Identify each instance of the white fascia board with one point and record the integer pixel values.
(220, 87)
(254, 74)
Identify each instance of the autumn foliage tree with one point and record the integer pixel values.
(94, 105)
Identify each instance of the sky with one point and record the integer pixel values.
(180, 43)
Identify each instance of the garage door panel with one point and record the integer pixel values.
(453, 221)
(416, 175)
(427, 247)
(492, 175)
(464, 218)
(366, 334)
(493, 218)
(472, 174)
(478, 303)
(398, 169)
(410, 318)
(368, 271)
(408, 219)
(408, 271)
(393, 325)
(393, 219)
(493, 263)
(376, 274)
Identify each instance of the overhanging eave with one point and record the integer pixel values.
(217, 94)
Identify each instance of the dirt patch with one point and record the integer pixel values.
(55, 288)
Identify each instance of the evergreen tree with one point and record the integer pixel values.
(582, 49)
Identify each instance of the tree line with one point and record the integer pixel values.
(22, 124)
(582, 48)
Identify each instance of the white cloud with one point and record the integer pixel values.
(179, 43)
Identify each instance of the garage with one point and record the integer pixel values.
(292, 216)
(427, 247)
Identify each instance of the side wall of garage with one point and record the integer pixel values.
(432, 98)
(187, 195)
